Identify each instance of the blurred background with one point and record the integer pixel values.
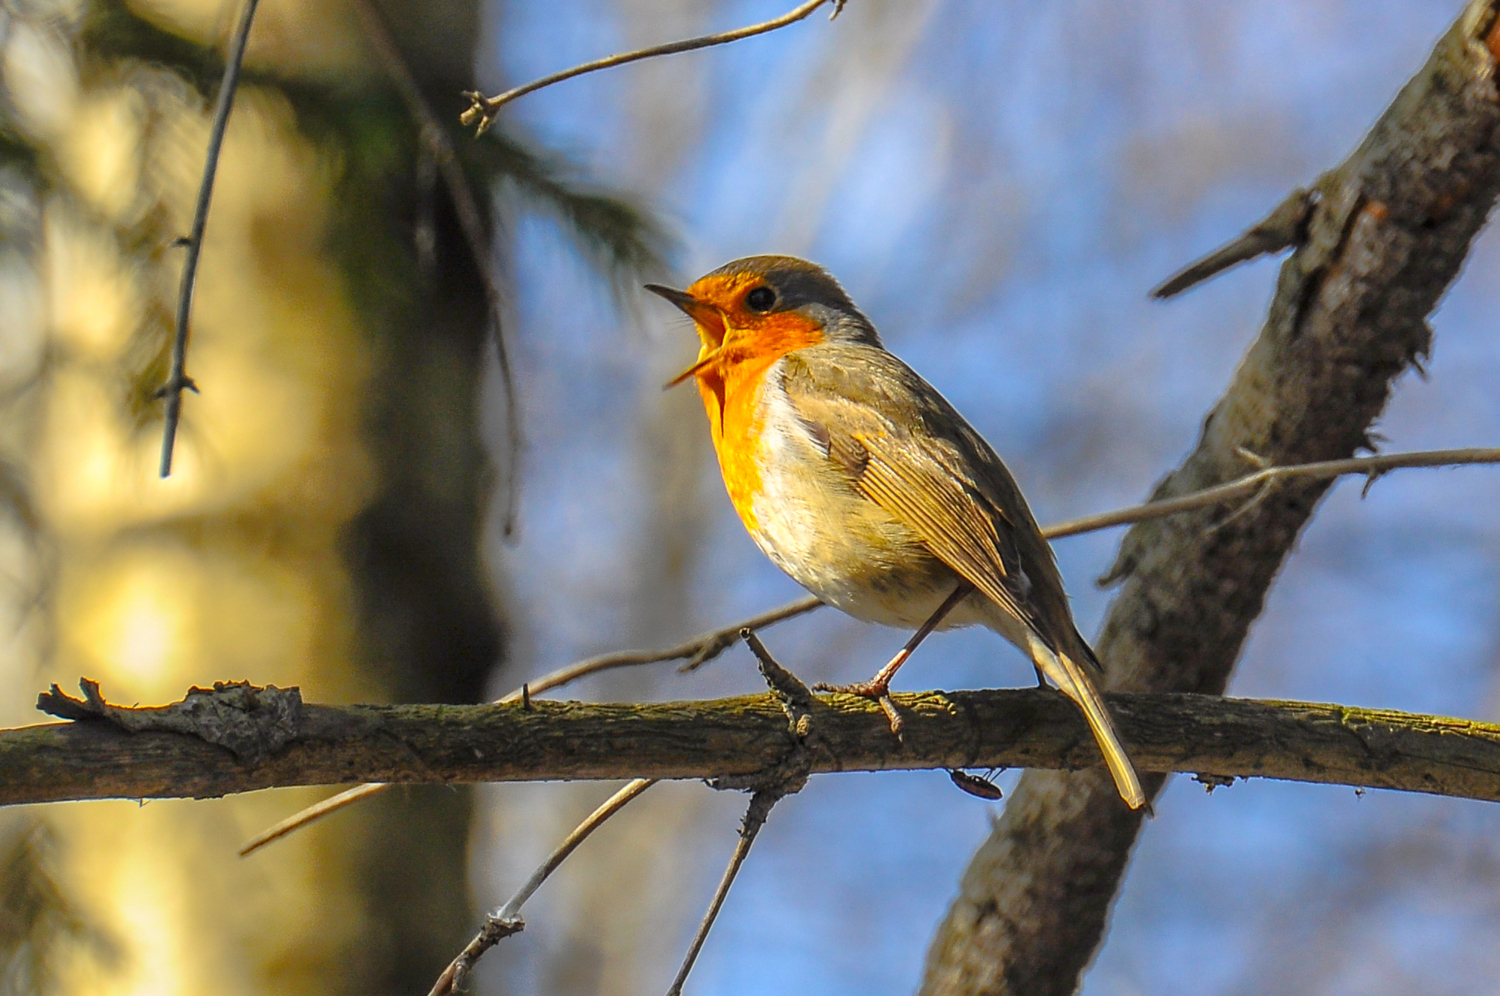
(996, 185)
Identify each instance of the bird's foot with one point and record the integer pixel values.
(872, 689)
(875, 689)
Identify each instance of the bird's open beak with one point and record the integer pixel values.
(682, 299)
(705, 361)
(705, 316)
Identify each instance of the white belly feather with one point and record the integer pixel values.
(836, 543)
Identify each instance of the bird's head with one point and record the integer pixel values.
(764, 307)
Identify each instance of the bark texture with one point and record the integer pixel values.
(1388, 234)
(148, 753)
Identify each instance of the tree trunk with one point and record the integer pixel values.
(1386, 235)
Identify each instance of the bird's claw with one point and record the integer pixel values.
(880, 691)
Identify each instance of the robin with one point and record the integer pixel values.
(864, 484)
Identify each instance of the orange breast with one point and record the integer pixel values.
(732, 400)
(731, 389)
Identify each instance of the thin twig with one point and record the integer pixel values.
(1372, 466)
(611, 806)
(705, 646)
(796, 698)
(507, 919)
(482, 109)
(178, 380)
(770, 785)
(492, 933)
(755, 818)
(699, 650)
(332, 804)
(470, 221)
(789, 773)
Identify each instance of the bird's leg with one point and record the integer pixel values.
(879, 686)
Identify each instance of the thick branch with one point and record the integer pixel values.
(1387, 236)
(1222, 738)
(706, 646)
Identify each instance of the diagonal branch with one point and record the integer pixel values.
(507, 919)
(482, 109)
(755, 818)
(769, 789)
(1252, 484)
(1385, 239)
(178, 380)
(1284, 227)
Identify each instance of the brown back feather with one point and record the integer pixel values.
(908, 450)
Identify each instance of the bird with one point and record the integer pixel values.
(859, 480)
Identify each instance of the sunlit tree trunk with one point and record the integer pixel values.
(322, 525)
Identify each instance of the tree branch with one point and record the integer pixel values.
(482, 110)
(704, 647)
(178, 380)
(506, 921)
(1259, 482)
(1285, 226)
(1387, 236)
(755, 818)
(748, 735)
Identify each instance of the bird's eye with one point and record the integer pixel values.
(760, 299)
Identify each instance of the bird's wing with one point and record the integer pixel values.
(905, 448)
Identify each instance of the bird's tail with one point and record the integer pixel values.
(1074, 681)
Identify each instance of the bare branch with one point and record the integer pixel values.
(1252, 484)
(611, 806)
(493, 932)
(769, 786)
(507, 919)
(483, 109)
(698, 650)
(755, 818)
(737, 739)
(178, 380)
(311, 814)
(1285, 226)
(704, 647)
